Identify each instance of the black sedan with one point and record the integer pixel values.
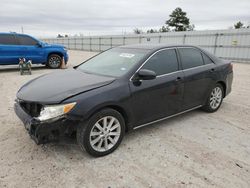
(119, 90)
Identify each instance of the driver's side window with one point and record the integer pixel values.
(26, 40)
(163, 62)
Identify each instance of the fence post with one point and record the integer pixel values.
(215, 42)
(100, 43)
(111, 42)
(82, 43)
(159, 38)
(124, 38)
(90, 43)
(68, 43)
(184, 38)
(75, 43)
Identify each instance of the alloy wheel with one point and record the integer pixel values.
(105, 134)
(54, 62)
(215, 98)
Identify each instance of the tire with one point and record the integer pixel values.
(214, 99)
(54, 61)
(95, 139)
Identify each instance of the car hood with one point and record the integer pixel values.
(55, 87)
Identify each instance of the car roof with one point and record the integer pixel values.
(154, 46)
(13, 33)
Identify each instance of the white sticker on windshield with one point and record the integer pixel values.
(127, 55)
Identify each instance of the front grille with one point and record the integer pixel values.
(33, 109)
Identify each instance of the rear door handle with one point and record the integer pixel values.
(212, 70)
(178, 79)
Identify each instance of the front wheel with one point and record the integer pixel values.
(102, 133)
(54, 61)
(215, 99)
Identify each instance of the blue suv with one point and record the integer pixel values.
(14, 46)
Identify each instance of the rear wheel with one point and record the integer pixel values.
(102, 133)
(54, 61)
(215, 99)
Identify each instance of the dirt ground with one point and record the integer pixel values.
(196, 149)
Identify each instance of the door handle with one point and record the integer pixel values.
(178, 79)
(212, 70)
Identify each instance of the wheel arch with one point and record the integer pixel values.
(223, 84)
(118, 108)
(55, 52)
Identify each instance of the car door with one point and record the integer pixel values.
(159, 97)
(9, 49)
(31, 49)
(197, 76)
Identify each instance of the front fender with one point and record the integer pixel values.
(109, 96)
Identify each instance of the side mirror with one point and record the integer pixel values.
(39, 44)
(145, 74)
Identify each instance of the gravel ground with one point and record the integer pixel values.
(196, 149)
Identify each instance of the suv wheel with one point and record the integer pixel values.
(215, 99)
(102, 133)
(54, 61)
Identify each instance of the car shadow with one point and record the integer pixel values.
(15, 68)
(66, 148)
(68, 145)
(167, 124)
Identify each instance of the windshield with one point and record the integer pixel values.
(115, 62)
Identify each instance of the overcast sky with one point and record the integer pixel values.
(47, 18)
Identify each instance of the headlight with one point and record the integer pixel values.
(53, 111)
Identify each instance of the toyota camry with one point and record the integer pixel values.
(120, 90)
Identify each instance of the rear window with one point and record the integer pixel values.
(7, 39)
(207, 60)
(26, 40)
(190, 58)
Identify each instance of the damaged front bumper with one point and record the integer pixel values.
(47, 131)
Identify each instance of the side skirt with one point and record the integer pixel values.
(155, 121)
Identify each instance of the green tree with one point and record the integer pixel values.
(138, 31)
(164, 29)
(59, 36)
(191, 27)
(239, 25)
(152, 31)
(179, 21)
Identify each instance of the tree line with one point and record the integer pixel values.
(178, 21)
